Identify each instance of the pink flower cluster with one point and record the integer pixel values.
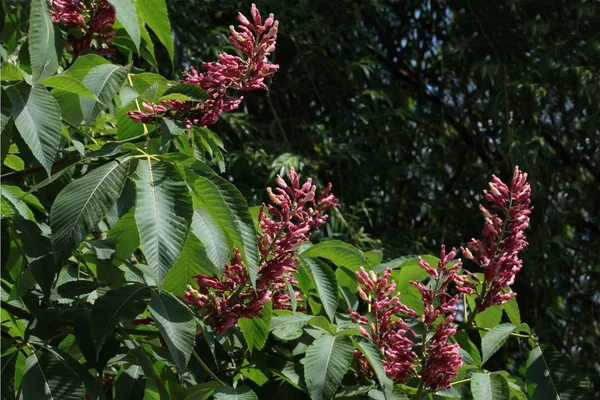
(503, 239)
(253, 38)
(291, 218)
(100, 16)
(388, 331)
(441, 359)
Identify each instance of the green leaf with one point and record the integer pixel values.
(47, 378)
(69, 84)
(42, 44)
(125, 236)
(340, 253)
(154, 13)
(163, 214)
(511, 308)
(215, 243)
(289, 326)
(127, 14)
(489, 387)
(552, 376)
(373, 356)
(410, 270)
(193, 91)
(14, 162)
(73, 289)
(124, 303)
(84, 64)
(7, 374)
(10, 72)
(256, 330)
(229, 210)
(143, 81)
(37, 117)
(83, 203)
(238, 393)
(130, 383)
(374, 256)
(92, 386)
(202, 391)
(326, 362)
(104, 81)
(495, 338)
(471, 354)
(325, 282)
(176, 325)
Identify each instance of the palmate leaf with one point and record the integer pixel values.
(118, 304)
(155, 14)
(83, 203)
(326, 284)
(163, 214)
(229, 210)
(37, 117)
(340, 253)
(491, 386)
(46, 377)
(42, 45)
(326, 362)
(176, 325)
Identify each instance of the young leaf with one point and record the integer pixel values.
(163, 214)
(256, 330)
(237, 393)
(491, 386)
(229, 210)
(495, 338)
(326, 283)
(154, 13)
(127, 14)
(37, 117)
(340, 253)
(47, 378)
(176, 325)
(42, 44)
(124, 303)
(326, 362)
(83, 203)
